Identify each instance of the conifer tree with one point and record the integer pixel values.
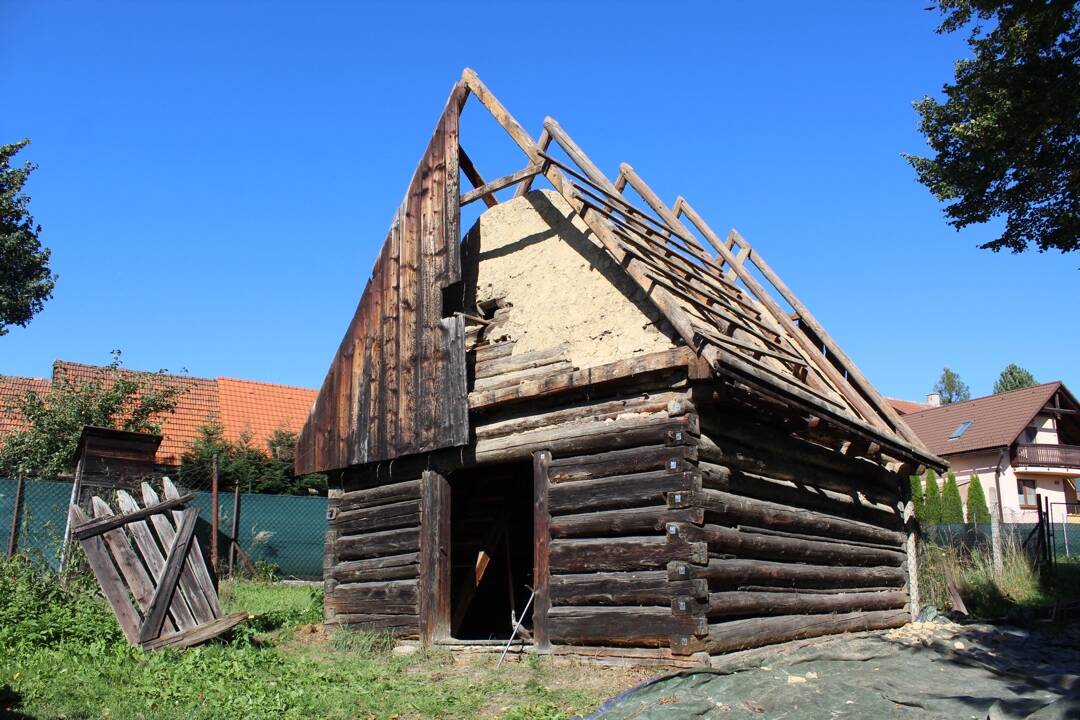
(952, 507)
(917, 497)
(977, 511)
(932, 501)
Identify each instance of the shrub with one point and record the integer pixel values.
(952, 507)
(977, 511)
(37, 610)
(932, 501)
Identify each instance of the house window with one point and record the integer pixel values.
(1030, 433)
(961, 429)
(1026, 491)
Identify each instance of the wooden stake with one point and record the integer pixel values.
(235, 526)
(214, 513)
(13, 537)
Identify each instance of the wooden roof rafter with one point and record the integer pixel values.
(714, 302)
(397, 386)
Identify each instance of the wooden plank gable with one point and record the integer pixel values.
(397, 383)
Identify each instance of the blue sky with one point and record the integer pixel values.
(216, 179)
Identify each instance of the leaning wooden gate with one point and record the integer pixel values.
(149, 567)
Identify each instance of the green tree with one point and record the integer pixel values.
(952, 506)
(242, 464)
(1007, 136)
(55, 419)
(26, 281)
(1013, 377)
(932, 502)
(951, 388)
(977, 511)
(917, 497)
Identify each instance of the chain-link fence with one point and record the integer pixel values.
(282, 534)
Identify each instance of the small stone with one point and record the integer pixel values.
(811, 676)
(795, 679)
(958, 645)
(404, 650)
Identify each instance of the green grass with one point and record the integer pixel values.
(988, 593)
(62, 656)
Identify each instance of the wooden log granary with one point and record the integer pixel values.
(595, 412)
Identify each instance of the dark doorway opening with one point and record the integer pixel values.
(491, 550)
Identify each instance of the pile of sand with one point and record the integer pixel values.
(564, 289)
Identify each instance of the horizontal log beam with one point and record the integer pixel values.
(621, 554)
(625, 522)
(619, 626)
(755, 632)
(732, 573)
(620, 491)
(801, 495)
(584, 437)
(500, 183)
(730, 509)
(672, 459)
(648, 587)
(381, 495)
(376, 544)
(725, 540)
(736, 604)
(619, 371)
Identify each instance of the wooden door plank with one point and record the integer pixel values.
(155, 561)
(434, 557)
(163, 594)
(203, 597)
(112, 587)
(541, 554)
(131, 568)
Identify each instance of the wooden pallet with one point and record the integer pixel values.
(150, 569)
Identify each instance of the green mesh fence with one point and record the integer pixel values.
(284, 531)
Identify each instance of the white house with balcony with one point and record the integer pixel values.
(1025, 442)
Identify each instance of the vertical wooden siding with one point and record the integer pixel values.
(397, 384)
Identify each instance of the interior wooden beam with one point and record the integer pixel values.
(486, 190)
(467, 167)
(543, 143)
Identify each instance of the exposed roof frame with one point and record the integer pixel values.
(761, 342)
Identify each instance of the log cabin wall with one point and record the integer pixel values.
(372, 556)
(803, 540)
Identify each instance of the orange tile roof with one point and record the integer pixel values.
(906, 407)
(240, 406)
(259, 409)
(195, 407)
(12, 390)
(996, 420)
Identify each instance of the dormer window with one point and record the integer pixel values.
(960, 430)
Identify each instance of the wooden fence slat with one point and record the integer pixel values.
(163, 594)
(202, 604)
(131, 568)
(112, 587)
(198, 563)
(110, 522)
(154, 559)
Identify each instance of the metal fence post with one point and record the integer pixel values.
(13, 537)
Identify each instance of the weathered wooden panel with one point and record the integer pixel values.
(397, 384)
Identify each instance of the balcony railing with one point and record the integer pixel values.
(1048, 455)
